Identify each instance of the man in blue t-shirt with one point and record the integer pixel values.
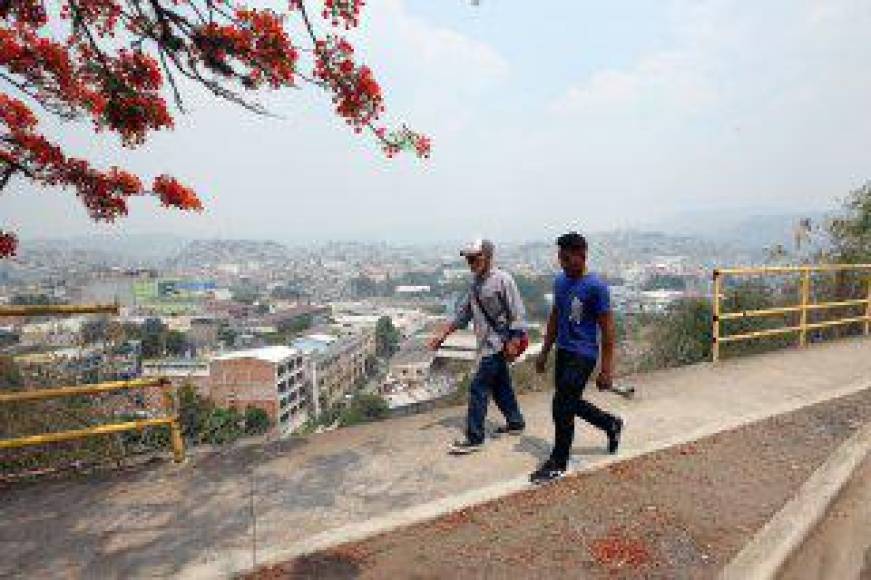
(581, 311)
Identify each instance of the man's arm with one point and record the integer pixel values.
(439, 337)
(606, 370)
(549, 339)
(461, 320)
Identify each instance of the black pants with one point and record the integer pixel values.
(571, 375)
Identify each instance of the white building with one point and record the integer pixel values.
(410, 290)
(272, 378)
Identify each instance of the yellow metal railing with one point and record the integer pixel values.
(803, 308)
(58, 309)
(170, 420)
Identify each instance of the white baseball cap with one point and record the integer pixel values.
(478, 246)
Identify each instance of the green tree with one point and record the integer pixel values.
(681, 336)
(10, 375)
(289, 291)
(226, 334)
(851, 231)
(31, 300)
(194, 412)
(364, 287)
(386, 337)
(177, 343)
(146, 439)
(256, 421)
(371, 365)
(223, 426)
(665, 282)
(95, 330)
(296, 325)
(364, 408)
(245, 294)
(153, 336)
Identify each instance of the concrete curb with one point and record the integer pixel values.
(231, 562)
(768, 550)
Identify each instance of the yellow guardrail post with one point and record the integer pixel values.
(169, 404)
(715, 304)
(805, 298)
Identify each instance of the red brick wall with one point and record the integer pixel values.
(242, 382)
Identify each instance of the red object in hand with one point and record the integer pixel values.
(516, 347)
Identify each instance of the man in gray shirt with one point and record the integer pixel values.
(494, 306)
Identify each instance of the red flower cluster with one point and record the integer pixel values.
(104, 193)
(8, 244)
(24, 11)
(121, 91)
(109, 61)
(174, 194)
(356, 94)
(104, 14)
(256, 41)
(346, 12)
(404, 139)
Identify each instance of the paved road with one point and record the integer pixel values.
(220, 512)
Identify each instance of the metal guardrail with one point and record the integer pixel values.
(58, 309)
(802, 308)
(171, 419)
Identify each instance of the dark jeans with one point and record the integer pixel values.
(571, 375)
(492, 375)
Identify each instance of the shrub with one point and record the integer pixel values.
(256, 421)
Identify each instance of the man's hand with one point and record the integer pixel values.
(512, 348)
(605, 380)
(541, 362)
(436, 341)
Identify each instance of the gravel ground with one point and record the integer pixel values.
(679, 513)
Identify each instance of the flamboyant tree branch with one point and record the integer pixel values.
(118, 57)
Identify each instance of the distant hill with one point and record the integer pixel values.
(108, 249)
(742, 228)
(200, 253)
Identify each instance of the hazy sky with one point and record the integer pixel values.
(591, 115)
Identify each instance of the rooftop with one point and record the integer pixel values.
(412, 352)
(274, 354)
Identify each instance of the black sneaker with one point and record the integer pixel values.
(464, 447)
(509, 429)
(549, 471)
(614, 435)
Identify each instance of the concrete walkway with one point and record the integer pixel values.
(220, 513)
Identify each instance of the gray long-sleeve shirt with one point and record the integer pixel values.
(498, 294)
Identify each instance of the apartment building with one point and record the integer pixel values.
(336, 364)
(272, 378)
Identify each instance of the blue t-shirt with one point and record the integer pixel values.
(579, 302)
